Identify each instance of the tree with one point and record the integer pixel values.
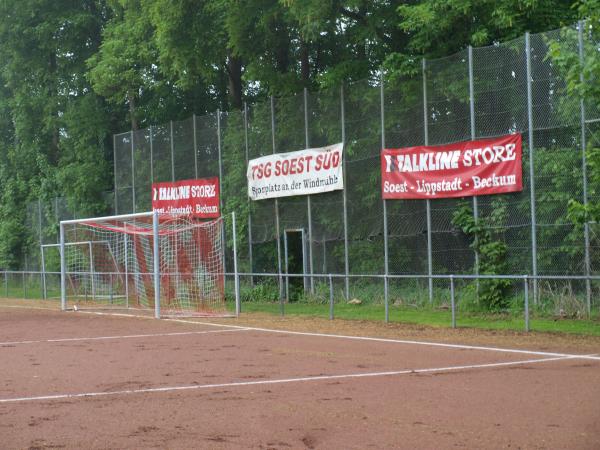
(352, 37)
(441, 27)
(193, 47)
(43, 48)
(124, 67)
(582, 82)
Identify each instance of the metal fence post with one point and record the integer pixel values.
(5, 284)
(526, 294)
(92, 278)
(220, 153)
(427, 202)
(586, 226)
(63, 270)
(195, 145)
(308, 200)
(330, 297)
(44, 288)
(115, 173)
(385, 222)
(132, 174)
(172, 144)
(531, 168)
(277, 213)
(236, 277)
(473, 137)
(345, 196)
(452, 301)
(151, 156)
(110, 291)
(286, 267)
(247, 153)
(43, 263)
(156, 268)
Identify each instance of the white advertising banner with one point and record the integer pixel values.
(309, 171)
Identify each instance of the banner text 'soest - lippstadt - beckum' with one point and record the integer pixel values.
(462, 169)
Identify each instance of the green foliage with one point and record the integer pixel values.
(581, 73)
(264, 291)
(492, 252)
(83, 173)
(12, 221)
(191, 50)
(46, 120)
(441, 27)
(424, 315)
(124, 67)
(580, 213)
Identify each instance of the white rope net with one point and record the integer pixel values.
(110, 263)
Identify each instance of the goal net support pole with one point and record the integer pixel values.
(156, 265)
(63, 269)
(126, 255)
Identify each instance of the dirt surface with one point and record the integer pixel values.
(81, 380)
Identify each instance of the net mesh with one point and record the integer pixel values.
(110, 263)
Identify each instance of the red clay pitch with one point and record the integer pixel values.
(77, 380)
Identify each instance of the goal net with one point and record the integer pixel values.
(109, 262)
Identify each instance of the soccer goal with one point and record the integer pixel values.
(171, 264)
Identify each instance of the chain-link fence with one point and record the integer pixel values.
(477, 93)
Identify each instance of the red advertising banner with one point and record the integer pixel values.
(198, 198)
(489, 166)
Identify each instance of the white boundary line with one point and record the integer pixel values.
(403, 341)
(104, 338)
(593, 357)
(278, 381)
(30, 307)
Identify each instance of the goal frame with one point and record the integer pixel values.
(155, 256)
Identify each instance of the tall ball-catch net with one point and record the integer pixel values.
(109, 263)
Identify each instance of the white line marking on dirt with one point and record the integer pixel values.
(104, 338)
(401, 341)
(364, 338)
(279, 381)
(113, 314)
(30, 307)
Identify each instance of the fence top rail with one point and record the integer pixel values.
(341, 275)
(422, 276)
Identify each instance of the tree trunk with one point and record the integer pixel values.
(282, 52)
(132, 112)
(304, 64)
(234, 79)
(52, 94)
